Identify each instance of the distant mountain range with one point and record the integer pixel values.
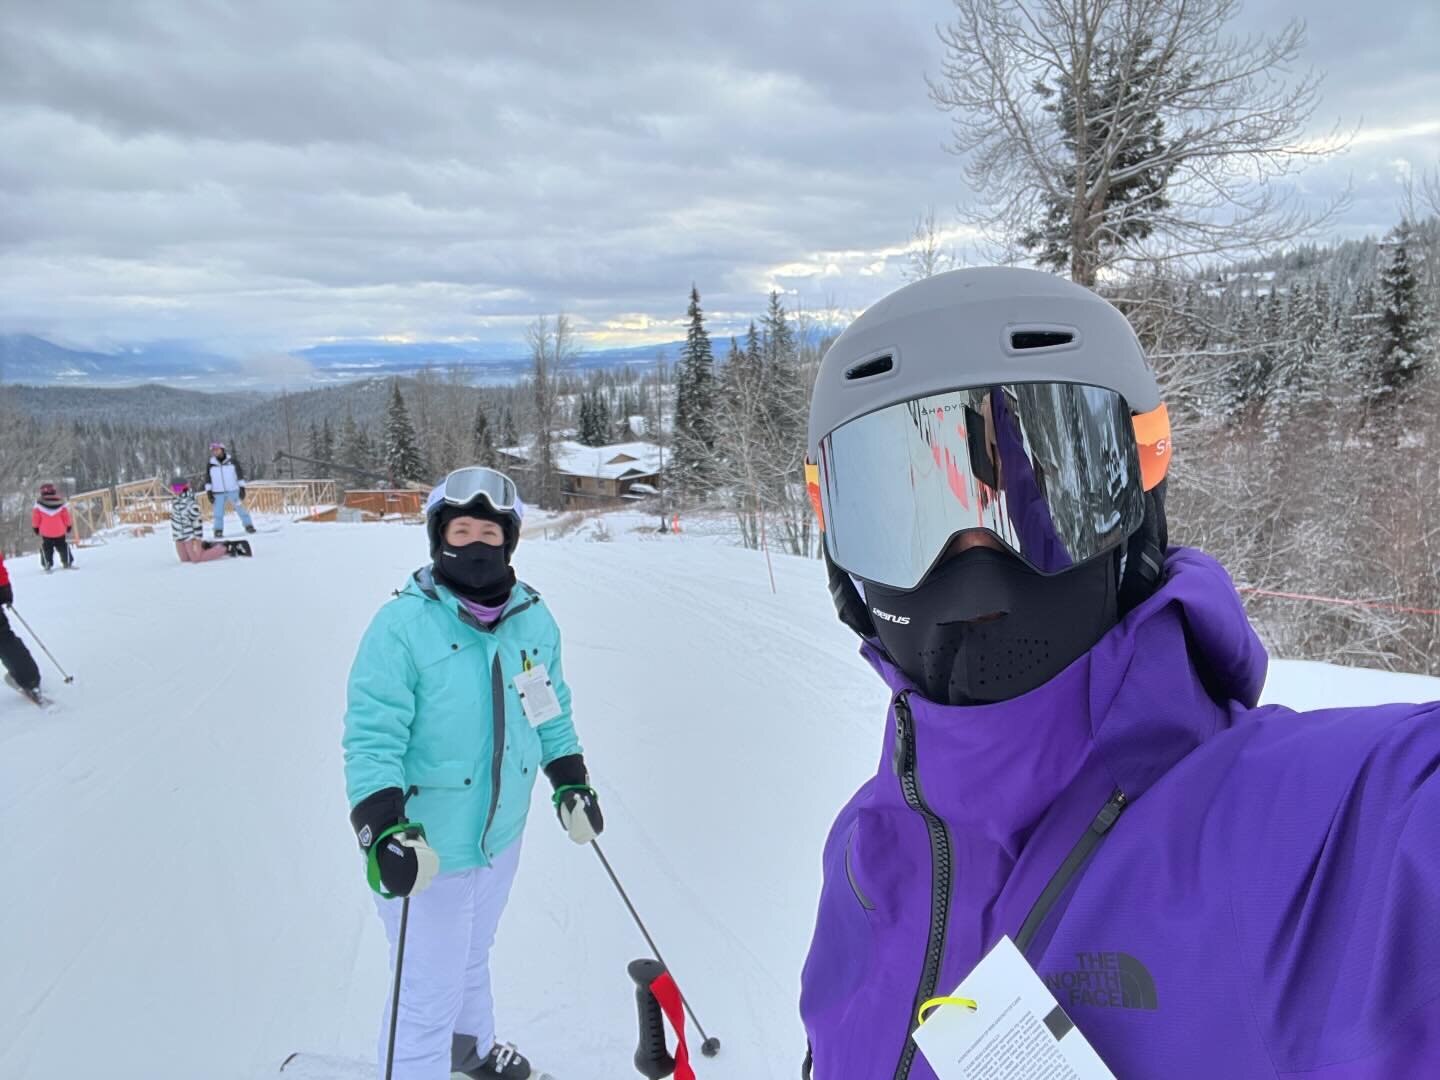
(25, 358)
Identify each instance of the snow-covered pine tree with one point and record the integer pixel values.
(402, 455)
(1404, 322)
(352, 450)
(482, 444)
(327, 441)
(694, 436)
(586, 431)
(600, 418)
(786, 407)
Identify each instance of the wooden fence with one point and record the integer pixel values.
(147, 503)
(91, 512)
(406, 504)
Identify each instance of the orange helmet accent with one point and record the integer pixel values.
(1152, 433)
(812, 485)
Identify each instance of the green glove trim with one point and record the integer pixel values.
(563, 788)
(372, 858)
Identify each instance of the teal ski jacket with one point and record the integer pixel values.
(432, 709)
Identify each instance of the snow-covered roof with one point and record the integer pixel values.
(614, 462)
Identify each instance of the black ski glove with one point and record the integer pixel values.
(7, 596)
(576, 804)
(398, 863)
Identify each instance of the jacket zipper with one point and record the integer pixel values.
(941, 868)
(497, 710)
(1069, 867)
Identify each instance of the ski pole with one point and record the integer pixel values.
(709, 1047)
(395, 1001)
(47, 652)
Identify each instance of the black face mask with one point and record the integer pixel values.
(984, 627)
(478, 571)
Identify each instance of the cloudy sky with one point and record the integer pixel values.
(257, 175)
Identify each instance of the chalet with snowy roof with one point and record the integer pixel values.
(595, 476)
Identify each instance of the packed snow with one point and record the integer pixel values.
(182, 895)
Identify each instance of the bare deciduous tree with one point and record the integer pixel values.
(553, 348)
(924, 255)
(1062, 107)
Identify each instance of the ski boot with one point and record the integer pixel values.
(503, 1062)
(37, 698)
(250, 529)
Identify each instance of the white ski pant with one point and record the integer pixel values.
(445, 985)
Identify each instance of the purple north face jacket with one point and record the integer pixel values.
(1210, 889)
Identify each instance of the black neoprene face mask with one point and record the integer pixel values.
(477, 571)
(983, 627)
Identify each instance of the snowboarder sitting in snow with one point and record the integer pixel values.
(51, 521)
(21, 671)
(456, 700)
(226, 484)
(1074, 756)
(187, 530)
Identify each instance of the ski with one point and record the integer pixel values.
(303, 1066)
(35, 697)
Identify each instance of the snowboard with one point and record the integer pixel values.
(302, 1066)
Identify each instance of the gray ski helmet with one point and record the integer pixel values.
(973, 328)
(976, 327)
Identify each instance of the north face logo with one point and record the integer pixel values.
(1105, 980)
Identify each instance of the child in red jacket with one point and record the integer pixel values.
(51, 521)
(21, 671)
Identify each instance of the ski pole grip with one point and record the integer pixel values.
(652, 1059)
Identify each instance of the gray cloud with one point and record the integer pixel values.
(263, 174)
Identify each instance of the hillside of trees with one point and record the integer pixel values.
(1303, 389)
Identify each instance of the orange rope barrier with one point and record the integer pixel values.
(1337, 600)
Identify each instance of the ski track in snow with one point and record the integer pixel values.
(186, 900)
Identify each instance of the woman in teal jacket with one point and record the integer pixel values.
(456, 700)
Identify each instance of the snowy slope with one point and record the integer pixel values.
(181, 897)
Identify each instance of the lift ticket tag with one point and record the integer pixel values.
(1017, 1030)
(537, 696)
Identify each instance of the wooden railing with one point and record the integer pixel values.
(294, 497)
(92, 512)
(147, 502)
(388, 503)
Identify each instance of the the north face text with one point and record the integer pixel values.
(1106, 980)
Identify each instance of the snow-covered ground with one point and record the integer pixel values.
(181, 897)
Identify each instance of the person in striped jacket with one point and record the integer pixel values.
(187, 529)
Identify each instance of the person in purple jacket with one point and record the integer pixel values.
(1074, 757)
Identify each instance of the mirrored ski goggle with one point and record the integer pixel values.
(1057, 472)
(463, 486)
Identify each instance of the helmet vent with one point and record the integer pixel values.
(1039, 339)
(876, 365)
